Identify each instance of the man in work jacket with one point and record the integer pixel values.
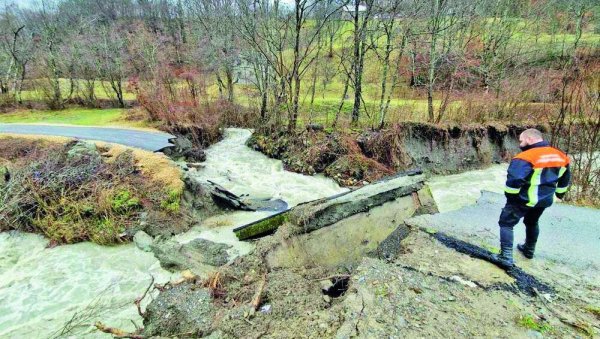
(534, 177)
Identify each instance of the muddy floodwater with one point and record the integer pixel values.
(42, 288)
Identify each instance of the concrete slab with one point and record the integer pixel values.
(568, 234)
(321, 213)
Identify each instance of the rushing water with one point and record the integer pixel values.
(42, 288)
(241, 170)
(452, 192)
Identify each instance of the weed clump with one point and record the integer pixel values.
(531, 323)
(72, 193)
(337, 155)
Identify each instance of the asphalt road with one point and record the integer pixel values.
(147, 140)
(568, 234)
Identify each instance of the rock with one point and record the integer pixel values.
(184, 308)
(193, 255)
(143, 241)
(183, 147)
(195, 154)
(83, 151)
(534, 334)
(182, 144)
(197, 198)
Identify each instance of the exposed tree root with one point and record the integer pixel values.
(138, 301)
(259, 293)
(117, 333)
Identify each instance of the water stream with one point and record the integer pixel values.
(42, 288)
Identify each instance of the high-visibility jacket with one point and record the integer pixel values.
(536, 174)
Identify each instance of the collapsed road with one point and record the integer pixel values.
(356, 265)
(325, 212)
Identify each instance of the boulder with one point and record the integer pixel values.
(183, 309)
(184, 148)
(194, 255)
(197, 197)
(143, 241)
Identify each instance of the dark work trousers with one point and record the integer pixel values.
(510, 216)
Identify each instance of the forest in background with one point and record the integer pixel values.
(339, 65)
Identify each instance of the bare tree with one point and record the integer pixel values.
(218, 45)
(17, 43)
(361, 16)
(444, 32)
(270, 28)
(396, 29)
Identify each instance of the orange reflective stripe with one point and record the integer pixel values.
(544, 157)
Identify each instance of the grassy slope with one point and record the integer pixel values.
(102, 90)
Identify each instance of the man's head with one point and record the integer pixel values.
(529, 137)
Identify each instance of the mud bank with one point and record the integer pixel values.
(352, 158)
(415, 294)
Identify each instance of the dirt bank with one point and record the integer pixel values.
(352, 158)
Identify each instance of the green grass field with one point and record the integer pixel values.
(102, 90)
(72, 116)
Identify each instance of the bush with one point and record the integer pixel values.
(177, 99)
(72, 193)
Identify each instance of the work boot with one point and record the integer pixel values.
(505, 258)
(527, 250)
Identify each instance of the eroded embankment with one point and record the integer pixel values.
(426, 289)
(361, 275)
(351, 158)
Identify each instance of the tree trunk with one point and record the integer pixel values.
(357, 65)
(230, 85)
(344, 93)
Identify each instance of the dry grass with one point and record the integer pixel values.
(154, 165)
(72, 192)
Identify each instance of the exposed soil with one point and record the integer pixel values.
(429, 289)
(353, 158)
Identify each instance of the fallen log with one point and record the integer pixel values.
(230, 200)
